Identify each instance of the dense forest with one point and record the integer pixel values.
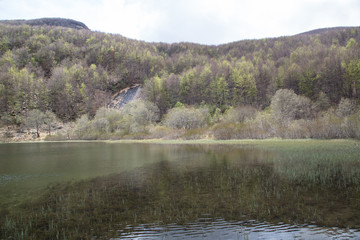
(73, 73)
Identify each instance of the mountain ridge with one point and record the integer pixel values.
(57, 22)
(70, 23)
(323, 30)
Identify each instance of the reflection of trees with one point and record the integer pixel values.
(277, 183)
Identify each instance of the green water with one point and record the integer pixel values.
(29, 167)
(246, 190)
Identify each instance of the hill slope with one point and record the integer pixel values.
(56, 22)
(324, 30)
(76, 71)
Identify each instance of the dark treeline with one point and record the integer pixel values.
(74, 72)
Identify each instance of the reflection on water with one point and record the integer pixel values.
(26, 168)
(154, 191)
(221, 229)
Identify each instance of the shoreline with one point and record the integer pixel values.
(197, 141)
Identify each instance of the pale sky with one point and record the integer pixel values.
(198, 21)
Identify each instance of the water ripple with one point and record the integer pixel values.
(221, 229)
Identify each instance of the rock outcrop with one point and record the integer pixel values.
(125, 96)
(57, 22)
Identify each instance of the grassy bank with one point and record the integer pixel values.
(270, 142)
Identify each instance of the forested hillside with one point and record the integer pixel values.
(74, 72)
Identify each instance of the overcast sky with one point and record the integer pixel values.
(199, 21)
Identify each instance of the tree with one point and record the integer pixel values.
(322, 103)
(186, 81)
(216, 116)
(352, 77)
(35, 119)
(345, 108)
(245, 90)
(152, 89)
(286, 106)
(220, 91)
(173, 87)
(6, 119)
(49, 120)
(291, 79)
(307, 83)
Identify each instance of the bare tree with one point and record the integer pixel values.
(35, 119)
(287, 105)
(49, 120)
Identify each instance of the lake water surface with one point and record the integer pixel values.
(267, 190)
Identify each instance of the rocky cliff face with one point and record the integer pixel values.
(125, 96)
(57, 22)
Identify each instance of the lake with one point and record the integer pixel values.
(273, 189)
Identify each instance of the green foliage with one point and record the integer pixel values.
(245, 90)
(152, 89)
(239, 114)
(352, 75)
(74, 72)
(7, 119)
(186, 118)
(322, 103)
(345, 108)
(286, 105)
(140, 113)
(132, 119)
(82, 127)
(216, 116)
(307, 83)
(50, 121)
(221, 91)
(179, 105)
(35, 119)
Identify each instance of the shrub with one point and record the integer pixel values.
(56, 137)
(100, 125)
(217, 116)
(186, 118)
(6, 119)
(345, 108)
(159, 131)
(130, 121)
(262, 126)
(351, 126)
(142, 112)
(193, 134)
(297, 129)
(287, 106)
(322, 103)
(82, 126)
(227, 130)
(239, 114)
(115, 119)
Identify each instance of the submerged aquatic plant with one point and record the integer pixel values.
(302, 182)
